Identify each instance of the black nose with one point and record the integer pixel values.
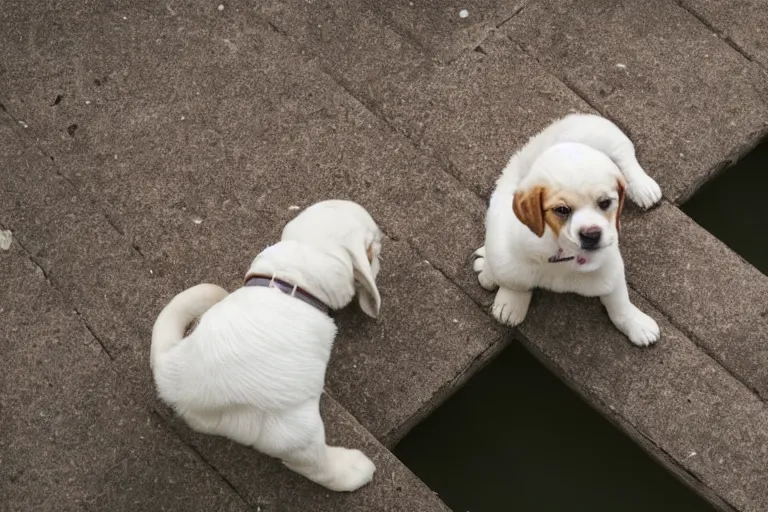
(590, 237)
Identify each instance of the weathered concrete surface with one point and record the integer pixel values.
(83, 256)
(691, 102)
(676, 401)
(270, 487)
(68, 238)
(299, 139)
(71, 438)
(704, 288)
(420, 367)
(743, 23)
(431, 31)
(198, 129)
(470, 115)
(437, 26)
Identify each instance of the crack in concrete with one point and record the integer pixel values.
(169, 428)
(727, 40)
(54, 166)
(93, 333)
(517, 11)
(50, 283)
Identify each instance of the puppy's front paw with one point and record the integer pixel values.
(644, 191)
(641, 329)
(352, 469)
(510, 306)
(484, 275)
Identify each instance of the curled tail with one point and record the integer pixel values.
(183, 309)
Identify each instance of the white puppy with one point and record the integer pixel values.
(254, 367)
(553, 222)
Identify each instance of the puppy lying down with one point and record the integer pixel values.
(553, 222)
(253, 370)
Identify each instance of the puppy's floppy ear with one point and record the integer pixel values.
(529, 208)
(622, 192)
(367, 292)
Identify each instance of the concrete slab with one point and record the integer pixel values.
(690, 101)
(474, 114)
(270, 487)
(470, 116)
(72, 439)
(673, 399)
(704, 288)
(265, 133)
(744, 24)
(83, 256)
(131, 119)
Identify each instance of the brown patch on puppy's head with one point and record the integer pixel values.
(529, 208)
(558, 207)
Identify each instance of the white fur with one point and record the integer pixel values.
(254, 368)
(580, 153)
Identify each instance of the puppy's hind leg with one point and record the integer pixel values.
(484, 274)
(298, 439)
(641, 188)
(603, 135)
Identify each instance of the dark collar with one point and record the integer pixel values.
(289, 289)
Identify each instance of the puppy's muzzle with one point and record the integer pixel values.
(590, 238)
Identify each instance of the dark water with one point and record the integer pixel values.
(734, 207)
(515, 438)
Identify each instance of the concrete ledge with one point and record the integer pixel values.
(677, 402)
(704, 288)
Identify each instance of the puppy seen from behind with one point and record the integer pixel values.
(253, 369)
(553, 222)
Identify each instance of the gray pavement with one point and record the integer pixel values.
(149, 146)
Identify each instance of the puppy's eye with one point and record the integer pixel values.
(562, 211)
(604, 204)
